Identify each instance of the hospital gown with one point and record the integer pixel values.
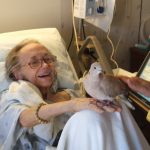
(20, 96)
(85, 130)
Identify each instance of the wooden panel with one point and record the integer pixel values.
(137, 56)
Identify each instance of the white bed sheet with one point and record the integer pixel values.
(88, 130)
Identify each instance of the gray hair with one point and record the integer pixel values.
(12, 60)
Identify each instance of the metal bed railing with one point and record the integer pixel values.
(99, 51)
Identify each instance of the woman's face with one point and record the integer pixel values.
(37, 65)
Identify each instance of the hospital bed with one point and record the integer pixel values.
(50, 37)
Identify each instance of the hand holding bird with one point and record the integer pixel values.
(103, 87)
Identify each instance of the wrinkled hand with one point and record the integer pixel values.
(110, 106)
(137, 84)
(95, 105)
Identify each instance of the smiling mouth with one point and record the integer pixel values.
(44, 75)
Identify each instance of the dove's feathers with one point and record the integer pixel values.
(101, 86)
(112, 85)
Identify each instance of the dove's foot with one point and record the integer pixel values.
(107, 105)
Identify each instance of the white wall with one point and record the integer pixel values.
(22, 14)
(27, 14)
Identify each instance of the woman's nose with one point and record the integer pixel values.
(45, 64)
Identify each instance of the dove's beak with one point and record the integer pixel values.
(101, 72)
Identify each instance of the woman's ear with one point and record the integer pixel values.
(17, 74)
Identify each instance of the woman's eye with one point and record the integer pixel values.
(35, 63)
(47, 59)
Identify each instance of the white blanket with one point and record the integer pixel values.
(88, 130)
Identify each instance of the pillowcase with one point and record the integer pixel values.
(51, 39)
(4, 82)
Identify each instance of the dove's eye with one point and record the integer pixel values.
(94, 67)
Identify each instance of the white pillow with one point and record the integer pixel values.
(4, 82)
(49, 37)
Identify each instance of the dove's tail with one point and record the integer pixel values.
(123, 99)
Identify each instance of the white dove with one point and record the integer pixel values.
(101, 86)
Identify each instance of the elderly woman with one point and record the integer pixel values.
(31, 104)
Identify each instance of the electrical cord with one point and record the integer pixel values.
(83, 29)
(112, 46)
(143, 32)
(113, 49)
(140, 22)
(72, 35)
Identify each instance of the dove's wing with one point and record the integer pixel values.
(89, 85)
(112, 86)
(94, 88)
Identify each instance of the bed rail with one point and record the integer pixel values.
(99, 51)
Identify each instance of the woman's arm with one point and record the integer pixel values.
(28, 118)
